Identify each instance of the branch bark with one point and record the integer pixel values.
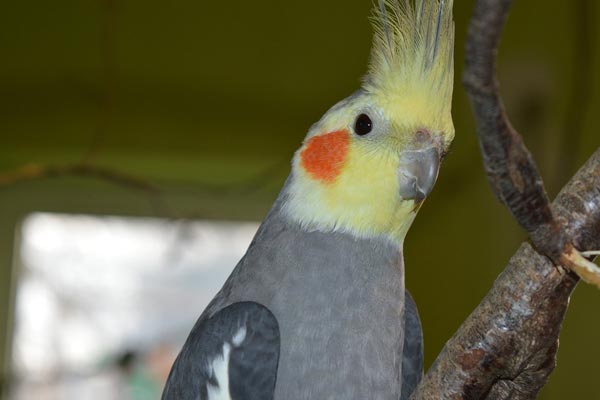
(511, 170)
(506, 349)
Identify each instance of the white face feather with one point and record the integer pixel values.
(219, 367)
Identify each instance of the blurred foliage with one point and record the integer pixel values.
(208, 100)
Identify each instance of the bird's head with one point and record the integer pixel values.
(368, 164)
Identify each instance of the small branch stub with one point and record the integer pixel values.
(576, 262)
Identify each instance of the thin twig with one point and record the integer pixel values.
(33, 171)
(156, 196)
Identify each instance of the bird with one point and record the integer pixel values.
(317, 307)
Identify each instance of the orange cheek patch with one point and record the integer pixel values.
(324, 155)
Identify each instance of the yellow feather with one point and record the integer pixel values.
(412, 60)
(364, 204)
(408, 88)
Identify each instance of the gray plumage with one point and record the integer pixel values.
(412, 353)
(252, 364)
(316, 308)
(339, 305)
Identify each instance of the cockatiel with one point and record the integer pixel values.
(316, 308)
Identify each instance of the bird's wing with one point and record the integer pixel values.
(232, 355)
(412, 355)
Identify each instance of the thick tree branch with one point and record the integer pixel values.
(506, 347)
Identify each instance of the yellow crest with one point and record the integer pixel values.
(412, 58)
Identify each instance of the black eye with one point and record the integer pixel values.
(363, 125)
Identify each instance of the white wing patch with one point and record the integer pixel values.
(220, 368)
(239, 337)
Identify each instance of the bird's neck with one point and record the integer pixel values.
(364, 214)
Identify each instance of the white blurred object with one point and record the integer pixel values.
(94, 288)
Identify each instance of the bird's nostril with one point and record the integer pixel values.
(422, 136)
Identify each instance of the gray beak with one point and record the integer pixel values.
(418, 173)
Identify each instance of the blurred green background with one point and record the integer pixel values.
(208, 100)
